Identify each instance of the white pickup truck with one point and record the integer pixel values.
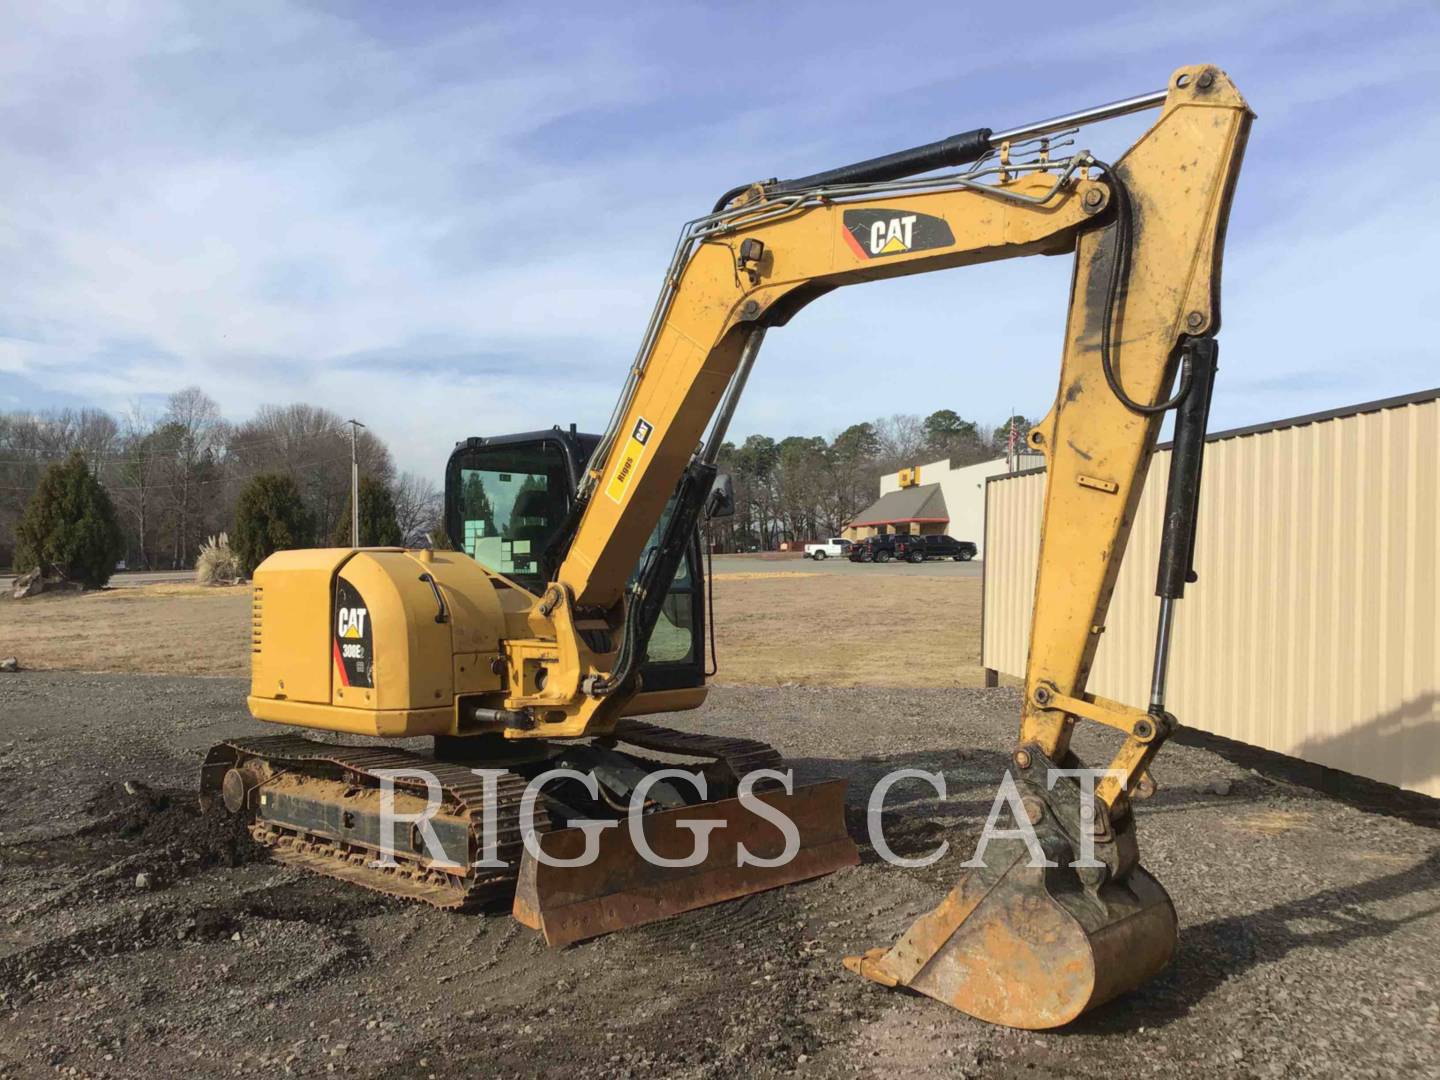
(833, 548)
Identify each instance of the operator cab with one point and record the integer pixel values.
(507, 506)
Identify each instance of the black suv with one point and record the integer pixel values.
(879, 549)
(917, 549)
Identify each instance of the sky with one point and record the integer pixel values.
(452, 219)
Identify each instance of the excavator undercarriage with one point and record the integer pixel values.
(324, 808)
(572, 602)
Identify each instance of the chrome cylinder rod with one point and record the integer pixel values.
(1162, 655)
(748, 352)
(1123, 107)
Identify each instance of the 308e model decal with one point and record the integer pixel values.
(354, 651)
(874, 234)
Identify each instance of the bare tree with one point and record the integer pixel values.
(93, 432)
(193, 425)
(902, 440)
(20, 468)
(134, 479)
(312, 445)
(418, 506)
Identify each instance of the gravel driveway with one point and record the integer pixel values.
(1309, 923)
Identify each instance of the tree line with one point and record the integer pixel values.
(807, 487)
(176, 474)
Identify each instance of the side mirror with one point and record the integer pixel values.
(721, 503)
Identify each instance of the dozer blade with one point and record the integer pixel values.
(1034, 946)
(622, 888)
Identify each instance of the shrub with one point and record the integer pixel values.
(69, 527)
(379, 526)
(218, 564)
(269, 516)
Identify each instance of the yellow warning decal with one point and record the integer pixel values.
(629, 459)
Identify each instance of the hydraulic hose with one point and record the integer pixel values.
(1119, 279)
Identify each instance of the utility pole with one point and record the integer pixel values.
(355, 426)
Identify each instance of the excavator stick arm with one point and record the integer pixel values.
(1034, 943)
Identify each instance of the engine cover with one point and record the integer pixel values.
(376, 641)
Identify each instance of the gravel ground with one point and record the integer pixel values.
(1308, 922)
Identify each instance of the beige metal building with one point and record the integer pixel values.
(1314, 629)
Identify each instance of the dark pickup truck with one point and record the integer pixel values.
(917, 549)
(879, 549)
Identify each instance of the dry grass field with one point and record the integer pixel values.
(873, 630)
(154, 629)
(773, 629)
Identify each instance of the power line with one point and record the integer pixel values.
(239, 445)
(228, 478)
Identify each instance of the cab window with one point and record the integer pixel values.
(673, 640)
(513, 500)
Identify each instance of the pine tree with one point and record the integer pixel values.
(269, 516)
(378, 524)
(70, 526)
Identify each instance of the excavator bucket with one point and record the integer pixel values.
(624, 886)
(1028, 945)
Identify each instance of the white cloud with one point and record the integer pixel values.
(459, 226)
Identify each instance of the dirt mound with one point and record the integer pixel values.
(169, 822)
(319, 901)
(312, 902)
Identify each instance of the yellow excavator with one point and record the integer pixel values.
(574, 604)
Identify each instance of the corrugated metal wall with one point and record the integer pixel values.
(1313, 628)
